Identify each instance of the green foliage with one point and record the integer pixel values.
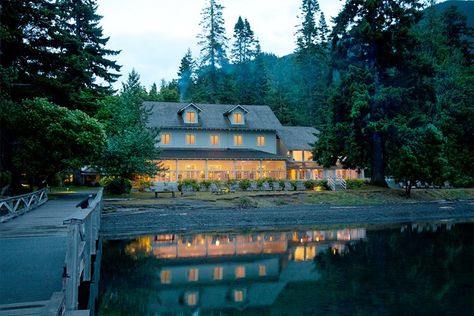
(355, 183)
(116, 185)
(192, 183)
(5, 178)
(246, 202)
(53, 139)
(130, 148)
(309, 184)
(244, 184)
(206, 184)
(142, 184)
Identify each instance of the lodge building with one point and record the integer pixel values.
(223, 142)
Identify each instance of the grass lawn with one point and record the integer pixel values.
(370, 195)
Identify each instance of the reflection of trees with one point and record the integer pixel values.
(408, 273)
(128, 278)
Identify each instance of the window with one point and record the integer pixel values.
(165, 277)
(191, 117)
(308, 156)
(190, 139)
(237, 140)
(238, 118)
(165, 139)
(240, 272)
(297, 155)
(218, 273)
(193, 275)
(238, 296)
(214, 139)
(260, 140)
(262, 270)
(191, 298)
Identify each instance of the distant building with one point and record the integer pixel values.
(223, 141)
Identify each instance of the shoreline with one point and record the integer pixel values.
(129, 221)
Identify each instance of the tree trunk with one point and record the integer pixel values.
(377, 162)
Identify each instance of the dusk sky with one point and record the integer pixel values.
(153, 35)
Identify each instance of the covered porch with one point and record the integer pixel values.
(219, 165)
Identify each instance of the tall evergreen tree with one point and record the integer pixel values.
(245, 44)
(185, 77)
(312, 62)
(213, 40)
(374, 37)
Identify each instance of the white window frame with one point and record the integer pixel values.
(190, 137)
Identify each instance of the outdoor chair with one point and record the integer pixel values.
(266, 186)
(253, 186)
(276, 186)
(300, 186)
(288, 186)
(187, 190)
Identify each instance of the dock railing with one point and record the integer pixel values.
(17, 205)
(82, 248)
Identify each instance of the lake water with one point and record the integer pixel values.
(411, 269)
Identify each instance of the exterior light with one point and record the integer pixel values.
(189, 244)
(217, 242)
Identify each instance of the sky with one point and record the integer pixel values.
(153, 35)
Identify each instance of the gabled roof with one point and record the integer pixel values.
(189, 105)
(165, 115)
(298, 137)
(235, 107)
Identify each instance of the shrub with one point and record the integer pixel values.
(355, 183)
(116, 185)
(323, 184)
(141, 184)
(244, 184)
(188, 183)
(246, 202)
(206, 184)
(310, 184)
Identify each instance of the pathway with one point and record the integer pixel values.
(32, 253)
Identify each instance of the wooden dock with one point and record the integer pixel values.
(33, 249)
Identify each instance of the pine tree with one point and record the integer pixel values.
(82, 63)
(185, 75)
(382, 84)
(213, 42)
(307, 34)
(153, 94)
(245, 44)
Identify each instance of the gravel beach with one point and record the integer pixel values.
(122, 221)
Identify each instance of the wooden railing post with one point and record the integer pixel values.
(83, 235)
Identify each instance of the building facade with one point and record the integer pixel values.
(224, 142)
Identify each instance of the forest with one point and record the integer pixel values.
(389, 85)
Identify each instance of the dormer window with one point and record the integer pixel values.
(236, 115)
(190, 113)
(190, 117)
(237, 118)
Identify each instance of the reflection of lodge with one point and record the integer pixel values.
(216, 272)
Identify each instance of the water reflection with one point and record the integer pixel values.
(289, 272)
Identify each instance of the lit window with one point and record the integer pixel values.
(238, 296)
(191, 298)
(190, 139)
(297, 155)
(218, 273)
(240, 272)
(165, 139)
(237, 140)
(262, 270)
(261, 140)
(193, 275)
(190, 117)
(165, 277)
(308, 156)
(238, 118)
(214, 139)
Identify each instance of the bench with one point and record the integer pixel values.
(165, 187)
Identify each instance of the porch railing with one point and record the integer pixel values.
(18, 205)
